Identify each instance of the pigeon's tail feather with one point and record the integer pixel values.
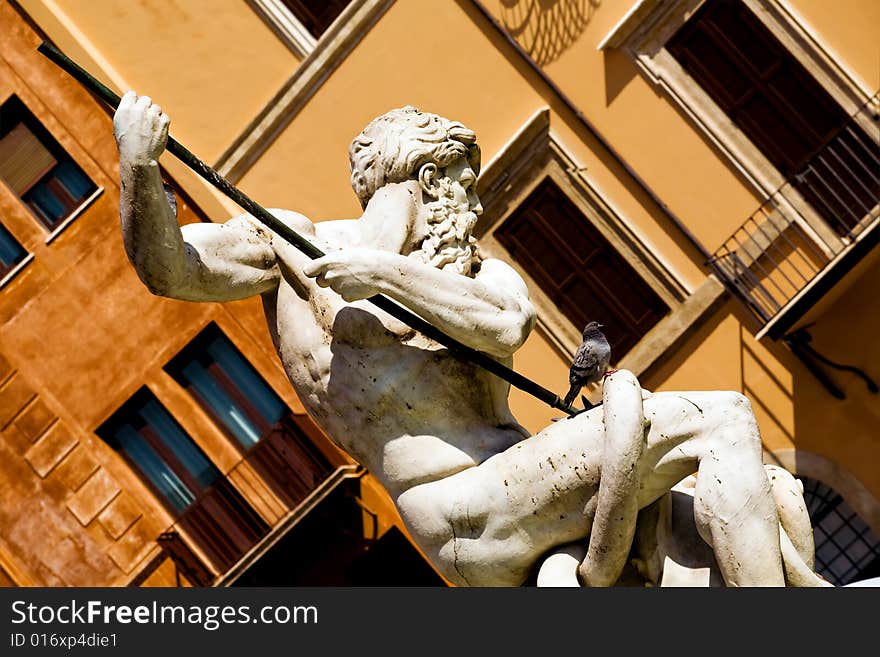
(572, 393)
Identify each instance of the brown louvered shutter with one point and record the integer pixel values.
(782, 109)
(23, 159)
(584, 276)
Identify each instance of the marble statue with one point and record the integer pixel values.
(485, 501)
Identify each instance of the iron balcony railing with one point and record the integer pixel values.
(810, 223)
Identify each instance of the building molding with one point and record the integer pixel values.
(672, 331)
(15, 271)
(285, 25)
(833, 474)
(73, 216)
(643, 33)
(330, 51)
(11, 567)
(535, 154)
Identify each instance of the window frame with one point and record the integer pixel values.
(286, 25)
(290, 29)
(50, 233)
(107, 430)
(533, 155)
(12, 270)
(645, 29)
(174, 369)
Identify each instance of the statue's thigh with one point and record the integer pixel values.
(686, 428)
(504, 514)
(540, 489)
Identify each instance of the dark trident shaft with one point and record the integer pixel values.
(388, 305)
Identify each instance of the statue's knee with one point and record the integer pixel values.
(738, 402)
(738, 408)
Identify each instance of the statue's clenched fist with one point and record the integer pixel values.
(140, 128)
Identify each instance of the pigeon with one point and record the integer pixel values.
(590, 362)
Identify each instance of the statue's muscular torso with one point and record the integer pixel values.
(380, 389)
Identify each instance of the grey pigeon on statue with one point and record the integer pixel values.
(590, 362)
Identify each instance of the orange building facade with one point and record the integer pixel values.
(702, 176)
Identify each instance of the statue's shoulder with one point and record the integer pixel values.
(495, 266)
(501, 271)
(298, 222)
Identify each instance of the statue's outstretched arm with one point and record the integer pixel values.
(204, 262)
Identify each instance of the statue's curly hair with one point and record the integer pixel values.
(395, 145)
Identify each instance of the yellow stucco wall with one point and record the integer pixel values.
(211, 64)
(850, 31)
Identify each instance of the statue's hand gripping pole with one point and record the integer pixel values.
(264, 216)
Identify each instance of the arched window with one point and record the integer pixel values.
(846, 548)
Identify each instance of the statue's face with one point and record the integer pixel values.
(463, 189)
(443, 230)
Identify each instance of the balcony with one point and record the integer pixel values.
(811, 231)
(221, 529)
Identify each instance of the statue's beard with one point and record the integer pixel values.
(449, 245)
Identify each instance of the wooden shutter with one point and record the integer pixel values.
(782, 109)
(23, 159)
(584, 276)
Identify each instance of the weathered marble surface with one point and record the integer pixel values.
(484, 500)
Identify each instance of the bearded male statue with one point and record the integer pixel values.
(484, 500)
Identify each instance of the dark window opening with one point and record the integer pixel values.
(335, 545)
(37, 169)
(782, 109)
(240, 401)
(846, 548)
(204, 502)
(11, 252)
(581, 272)
(316, 15)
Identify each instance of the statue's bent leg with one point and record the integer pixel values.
(488, 525)
(795, 530)
(733, 504)
(617, 508)
(788, 493)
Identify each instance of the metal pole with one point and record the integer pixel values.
(388, 305)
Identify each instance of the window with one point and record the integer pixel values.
(299, 23)
(578, 269)
(782, 109)
(316, 15)
(37, 169)
(535, 178)
(846, 548)
(240, 401)
(11, 252)
(792, 120)
(206, 504)
(159, 448)
(227, 386)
